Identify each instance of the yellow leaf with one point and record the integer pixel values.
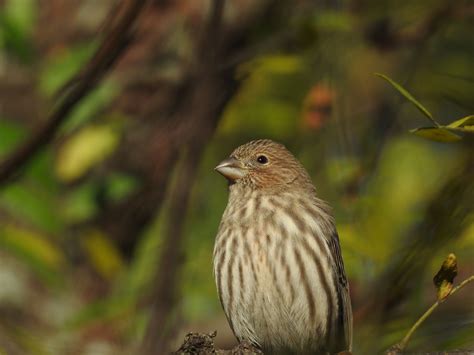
(277, 64)
(102, 253)
(85, 149)
(32, 245)
(436, 134)
(463, 122)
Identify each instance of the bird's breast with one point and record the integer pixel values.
(268, 265)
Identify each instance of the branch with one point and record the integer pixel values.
(203, 344)
(210, 38)
(403, 343)
(198, 115)
(110, 49)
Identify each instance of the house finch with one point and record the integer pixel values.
(277, 259)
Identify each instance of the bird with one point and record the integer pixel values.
(277, 260)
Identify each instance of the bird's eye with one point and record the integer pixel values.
(262, 159)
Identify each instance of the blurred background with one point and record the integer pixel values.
(107, 223)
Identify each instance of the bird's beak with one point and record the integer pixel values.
(231, 168)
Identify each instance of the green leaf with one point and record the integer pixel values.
(466, 123)
(32, 204)
(102, 253)
(436, 134)
(90, 106)
(22, 13)
(409, 97)
(119, 186)
(17, 21)
(63, 64)
(79, 204)
(11, 133)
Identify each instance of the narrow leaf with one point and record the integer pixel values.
(409, 97)
(466, 121)
(436, 134)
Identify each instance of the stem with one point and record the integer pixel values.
(402, 345)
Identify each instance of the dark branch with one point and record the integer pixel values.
(203, 344)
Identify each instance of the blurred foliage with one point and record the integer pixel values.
(438, 133)
(66, 279)
(17, 20)
(43, 256)
(443, 281)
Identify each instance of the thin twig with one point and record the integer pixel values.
(402, 345)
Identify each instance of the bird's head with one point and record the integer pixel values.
(264, 164)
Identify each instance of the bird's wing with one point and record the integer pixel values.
(345, 313)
